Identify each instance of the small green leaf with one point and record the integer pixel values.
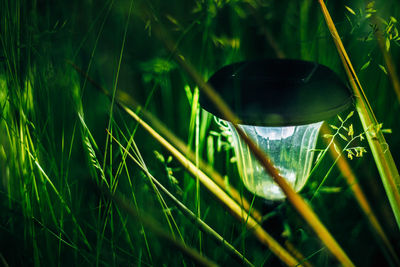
(172, 20)
(215, 133)
(340, 118)
(189, 94)
(366, 65)
(343, 137)
(389, 131)
(371, 4)
(219, 143)
(349, 116)
(333, 127)
(327, 135)
(336, 148)
(387, 44)
(330, 189)
(350, 10)
(169, 159)
(319, 156)
(396, 33)
(383, 68)
(159, 156)
(173, 180)
(351, 131)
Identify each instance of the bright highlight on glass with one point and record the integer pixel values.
(281, 104)
(290, 148)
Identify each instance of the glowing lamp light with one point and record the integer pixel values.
(282, 105)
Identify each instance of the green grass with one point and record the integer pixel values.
(59, 166)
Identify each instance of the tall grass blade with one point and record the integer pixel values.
(295, 199)
(380, 149)
(233, 207)
(67, 208)
(125, 99)
(187, 212)
(151, 224)
(359, 195)
(238, 211)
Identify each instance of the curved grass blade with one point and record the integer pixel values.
(187, 212)
(359, 195)
(295, 199)
(152, 225)
(380, 149)
(124, 98)
(235, 209)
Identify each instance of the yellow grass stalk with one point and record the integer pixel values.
(358, 193)
(293, 250)
(124, 98)
(251, 222)
(380, 149)
(188, 213)
(342, 163)
(295, 199)
(233, 207)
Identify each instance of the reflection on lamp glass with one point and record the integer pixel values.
(290, 148)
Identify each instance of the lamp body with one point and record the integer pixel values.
(290, 148)
(281, 104)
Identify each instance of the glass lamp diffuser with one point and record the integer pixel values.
(281, 104)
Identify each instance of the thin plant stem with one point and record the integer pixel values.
(124, 98)
(233, 207)
(152, 225)
(359, 195)
(380, 149)
(205, 228)
(295, 199)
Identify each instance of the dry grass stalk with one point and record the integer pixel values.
(187, 212)
(380, 149)
(124, 98)
(295, 199)
(237, 210)
(233, 207)
(352, 181)
(194, 255)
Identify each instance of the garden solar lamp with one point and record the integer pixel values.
(281, 105)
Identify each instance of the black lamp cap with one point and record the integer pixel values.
(279, 92)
